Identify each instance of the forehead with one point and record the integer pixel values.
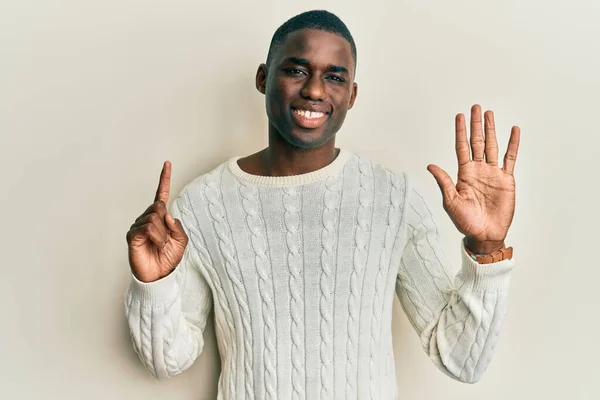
(318, 47)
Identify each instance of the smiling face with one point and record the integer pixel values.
(309, 86)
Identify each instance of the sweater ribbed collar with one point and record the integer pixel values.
(333, 168)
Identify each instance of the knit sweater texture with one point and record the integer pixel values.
(301, 272)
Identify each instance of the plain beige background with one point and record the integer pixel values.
(94, 95)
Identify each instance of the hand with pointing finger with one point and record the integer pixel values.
(482, 203)
(156, 240)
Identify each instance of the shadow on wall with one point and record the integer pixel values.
(237, 111)
(243, 117)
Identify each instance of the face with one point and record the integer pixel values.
(309, 87)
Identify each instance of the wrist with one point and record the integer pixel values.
(150, 276)
(483, 246)
(153, 293)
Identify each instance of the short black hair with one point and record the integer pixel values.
(315, 19)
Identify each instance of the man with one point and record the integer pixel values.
(301, 246)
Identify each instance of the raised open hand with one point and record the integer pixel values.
(482, 203)
(156, 240)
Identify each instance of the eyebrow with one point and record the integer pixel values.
(305, 62)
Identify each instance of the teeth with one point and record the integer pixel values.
(310, 114)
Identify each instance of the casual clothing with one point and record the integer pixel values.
(301, 272)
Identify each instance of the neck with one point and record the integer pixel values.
(283, 159)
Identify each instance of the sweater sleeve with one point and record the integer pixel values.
(167, 317)
(458, 318)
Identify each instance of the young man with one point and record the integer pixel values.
(300, 247)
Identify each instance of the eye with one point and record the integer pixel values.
(293, 71)
(336, 78)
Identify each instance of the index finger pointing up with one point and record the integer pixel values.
(164, 185)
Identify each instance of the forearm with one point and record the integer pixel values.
(165, 341)
(460, 337)
(457, 316)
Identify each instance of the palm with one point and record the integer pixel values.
(485, 202)
(481, 204)
(156, 261)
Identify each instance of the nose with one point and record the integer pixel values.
(313, 89)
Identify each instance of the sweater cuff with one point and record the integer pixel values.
(156, 293)
(485, 277)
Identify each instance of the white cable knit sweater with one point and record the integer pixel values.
(301, 271)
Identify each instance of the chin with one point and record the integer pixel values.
(306, 140)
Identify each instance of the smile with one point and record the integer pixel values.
(309, 119)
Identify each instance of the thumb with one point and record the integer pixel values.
(444, 182)
(176, 228)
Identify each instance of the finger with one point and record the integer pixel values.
(477, 143)
(141, 234)
(160, 224)
(462, 145)
(164, 184)
(491, 143)
(176, 228)
(158, 207)
(444, 181)
(155, 220)
(510, 158)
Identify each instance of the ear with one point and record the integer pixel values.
(353, 95)
(261, 78)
